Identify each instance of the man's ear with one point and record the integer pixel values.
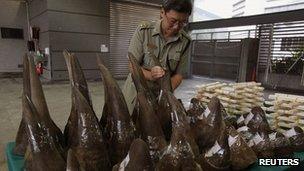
(162, 13)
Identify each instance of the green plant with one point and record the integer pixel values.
(281, 66)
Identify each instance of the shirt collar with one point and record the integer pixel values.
(156, 29)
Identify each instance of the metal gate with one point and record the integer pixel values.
(124, 18)
(216, 59)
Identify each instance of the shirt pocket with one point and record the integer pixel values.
(147, 61)
(173, 61)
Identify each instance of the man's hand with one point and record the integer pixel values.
(157, 72)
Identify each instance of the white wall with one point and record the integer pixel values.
(254, 7)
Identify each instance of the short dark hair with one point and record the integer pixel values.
(182, 6)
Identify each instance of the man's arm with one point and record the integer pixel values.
(176, 80)
(155, 73)
(146, 73)
(136, 48)
(181, 69)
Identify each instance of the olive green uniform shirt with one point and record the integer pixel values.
(172, 54)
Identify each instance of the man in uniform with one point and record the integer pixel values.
(171, 45)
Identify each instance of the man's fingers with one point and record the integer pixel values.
(157, 69)
(157, 75)
(157, 72)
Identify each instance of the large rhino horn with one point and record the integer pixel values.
(114, 98)
(42, 148)
(138, 158)
(39, 102)
(78, 81)
(37, 95)
(31, 119)
(137, 75)
(72, 162)
(87, 118)
(180, 122)
(21, 138)
(76, 75)
(91, 148)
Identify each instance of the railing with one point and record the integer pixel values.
(226, 34)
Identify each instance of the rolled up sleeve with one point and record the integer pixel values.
(182, 67)
(136, 44)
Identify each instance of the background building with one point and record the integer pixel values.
(282, 5)
(253, 7)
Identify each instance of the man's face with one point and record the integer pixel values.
(173, 21)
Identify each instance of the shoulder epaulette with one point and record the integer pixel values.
(185, 35)
(145, 25)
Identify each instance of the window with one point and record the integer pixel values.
(11, 33)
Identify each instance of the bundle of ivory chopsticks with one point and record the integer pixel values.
(237, 98)
(285, 111)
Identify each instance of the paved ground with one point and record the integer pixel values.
(59, 103)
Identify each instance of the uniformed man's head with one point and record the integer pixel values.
(175, 14)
